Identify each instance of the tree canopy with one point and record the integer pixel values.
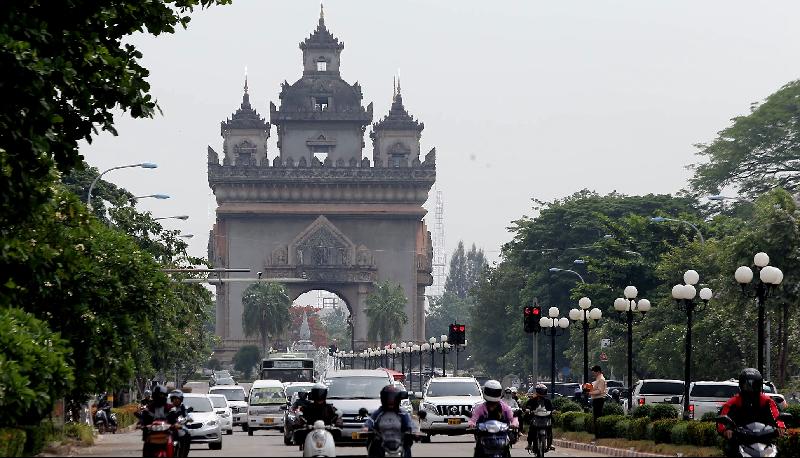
(266, 312)
(386, 312)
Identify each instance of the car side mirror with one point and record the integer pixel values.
(284, 407)
(363, 412)
(675, 400)
(190, 410)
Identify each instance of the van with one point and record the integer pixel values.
(267, 403)
(237, 400)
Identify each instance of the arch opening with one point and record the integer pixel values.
(322, 316)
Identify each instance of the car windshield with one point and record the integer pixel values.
(714, 391)
(231, 394)
(267, 395)
(767, 389)
(290, 390)
(222, 373)
(225, 381)
(356, 387)
(218, 401)
(673, 388)
(198, 404)
(453, 389)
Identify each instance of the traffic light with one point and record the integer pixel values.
(532, 315)
(457, 334)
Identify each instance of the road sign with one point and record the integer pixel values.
(603, 356)
(605, 343)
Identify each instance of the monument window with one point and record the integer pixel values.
(322, 66)
(321, 103)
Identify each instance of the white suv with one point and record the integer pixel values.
(659, 391)
(709, 397)
(447, 403)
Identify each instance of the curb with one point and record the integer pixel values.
(610, 451)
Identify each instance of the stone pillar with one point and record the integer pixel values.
(360, 322)
(419, 314)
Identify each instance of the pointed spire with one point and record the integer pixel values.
(321, 15)
(394, 87)
(245, 79)
(246, 95)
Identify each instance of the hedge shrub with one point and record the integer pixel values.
(702, 433)
(564, 404)
(642, 411)
(558, 420)
(662, 411)
(638, 429)
(12, 441)
(622, 428)
(789, 444)
(794, 422)
(80, 432)
(679, 434)
(125, 415)
(579, 422)
(612, 408)
(606, 425)
(662, 430)
(35, 438)
(568, 420)
(709, 416)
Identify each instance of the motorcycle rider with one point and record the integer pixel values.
(104, 410)
(539, 399)
(750, 405)
(318, 409)
(302, 400)
(177, 411)
(157, 409)
(493, 408)
(391, 396)
(147, 396)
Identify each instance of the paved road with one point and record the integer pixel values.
(271, 444)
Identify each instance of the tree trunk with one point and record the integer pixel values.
(783, 340)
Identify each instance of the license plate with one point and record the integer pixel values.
(355, 435)
(269, 421)
(453, 421)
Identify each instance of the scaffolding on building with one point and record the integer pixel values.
(439, 248)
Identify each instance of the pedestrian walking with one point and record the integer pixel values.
(598, 394)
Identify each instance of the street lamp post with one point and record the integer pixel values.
(445, 348)
(553, 326)
(424, 348)
(769, 278)
(418, 350)
(433, 347)
(587, 317)
(144, 165)
(628, 306)
(152, 196)
(684, 296)
(403, 358)
(181, 217)
(661, 219)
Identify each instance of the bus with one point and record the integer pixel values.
(288, 367)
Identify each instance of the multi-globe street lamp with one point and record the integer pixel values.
(684, 296)
(144, 165)
(403, 350)
(432, 347)
(626, 307)
(418, 350)
(445, 348)
(553, 326)
(769, 278)
(587, 316)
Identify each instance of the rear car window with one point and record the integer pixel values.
(661, 388)
(714, 391)
(218, 401)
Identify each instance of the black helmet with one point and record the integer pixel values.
(160, 395)
(176, 394)
(319, 392)
(751, 382)
(147, 393)
(391, 396)
(302, 395)
(541, 389)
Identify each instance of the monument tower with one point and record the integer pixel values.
(320, 215)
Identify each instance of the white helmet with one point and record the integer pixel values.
(492, 390)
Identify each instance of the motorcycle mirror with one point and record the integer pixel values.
(190, 410)
(363, 412)
(726, 420)
(785, 416)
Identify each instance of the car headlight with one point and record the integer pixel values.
(429, 407)
(212, 423)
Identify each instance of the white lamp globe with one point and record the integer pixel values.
(432, 340)
(631, 292)
(585, 303)
(644, 306)
(595, 313)
(677, 292)
(447, 346)
(706, 293)
(779, 279)
(402, 345)
(545, 322)
(691, 277)
(689, 291)
(768, 275)
(620, 304)
(563, 323)
(443, 338)
(761, 259)
(394, 345)
(425, 347)
(575, 315)
(415, 348)
(552, 312)
(743, 275)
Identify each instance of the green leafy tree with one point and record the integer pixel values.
(386, 312)
(757, 152)
(246, 359)
(336, 327)
(445, 310)
(266, 311)
(66, 67)
(466, 268)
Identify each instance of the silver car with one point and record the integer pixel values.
(202, 422)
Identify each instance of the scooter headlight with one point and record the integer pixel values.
(319, 439)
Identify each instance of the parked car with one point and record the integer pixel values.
(447, 404)
(267, 400)
(202, 421)
(709, 397)
(350, 391)
(237, 400)
(217, 375)
(225, 381)
(771, 391)
(659, 391)
(223, 411)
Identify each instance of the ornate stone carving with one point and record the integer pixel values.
(364, 256)
(213, 157)
(322, 244)
(277, 162)
(340, 162)
(302, 163)
(280, 256)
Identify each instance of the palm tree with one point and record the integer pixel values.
(266, 311)
(386, 312)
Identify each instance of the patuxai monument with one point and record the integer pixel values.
(317, 212)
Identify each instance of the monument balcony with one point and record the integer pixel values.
(361, 115)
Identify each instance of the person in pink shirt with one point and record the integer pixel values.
(493, 407)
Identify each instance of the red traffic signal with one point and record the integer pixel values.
(536, 311)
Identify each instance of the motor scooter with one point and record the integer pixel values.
(319, 440)
(754, 439)
(387, 438)
(105, 420)
(541, 422)
(159, 441)
(493, 439)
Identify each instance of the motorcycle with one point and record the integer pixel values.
(493, 439)
(388, 435)
(105, 420)
(755, 439)
(541, 422)
(319, 441)
(159, 441)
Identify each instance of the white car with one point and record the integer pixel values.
(223, 410)
(447, 403)
(294, 387)
(659, 391)
(202, 421)
(352, 390)
(709, 397)
(267, 401)
(237, 400)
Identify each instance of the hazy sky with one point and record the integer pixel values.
(521, 99)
